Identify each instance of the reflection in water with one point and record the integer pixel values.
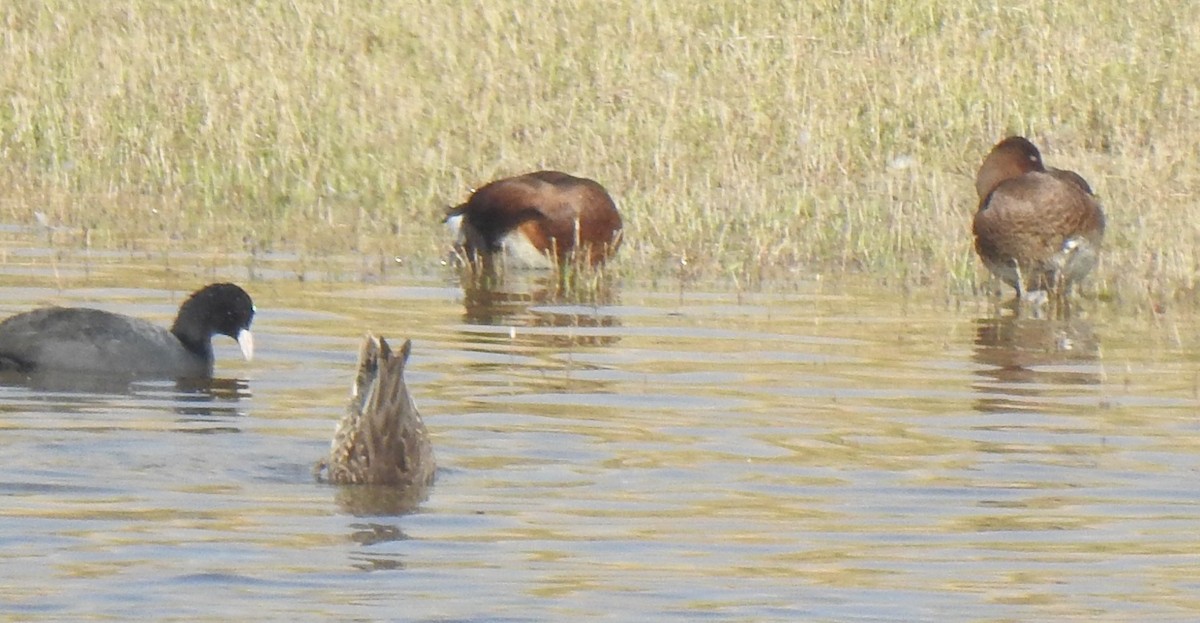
(379, 500)
(196, 400)
(92, 383)
(206, 398)
(539, 300)
(531, 320)
(371, 534)
(808, 456)
(1029, 357)
(70, 382)
(378, 562)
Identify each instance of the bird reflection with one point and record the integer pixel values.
(204, 398)
(1026, 358)
(543, 300)
(379, 500)
(206, 401)
(369, 534)
(123, 384)
(372, 533)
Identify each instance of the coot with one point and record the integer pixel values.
(80, 340)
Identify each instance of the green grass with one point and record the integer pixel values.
(762, 141)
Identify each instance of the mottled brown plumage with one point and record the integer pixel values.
(382, 439)
(544, 219)
(1036, 228)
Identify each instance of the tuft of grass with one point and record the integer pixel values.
(752, 142)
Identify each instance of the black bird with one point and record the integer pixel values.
(79, 340)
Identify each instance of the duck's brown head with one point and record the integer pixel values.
(1010, 158)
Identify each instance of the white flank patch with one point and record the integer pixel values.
(454, 226)
(520, 253)
(516, 250)
(1077, 258)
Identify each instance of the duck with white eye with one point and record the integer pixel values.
(1038, 228)
(85, 341)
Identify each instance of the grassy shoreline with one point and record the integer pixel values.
(760, 140)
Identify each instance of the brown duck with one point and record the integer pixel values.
(1037, 228)
(382, 439)
(541, 219)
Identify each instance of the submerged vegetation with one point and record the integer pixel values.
(748, 141)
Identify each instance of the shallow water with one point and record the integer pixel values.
(831, 453)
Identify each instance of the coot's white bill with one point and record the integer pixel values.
(245, 339)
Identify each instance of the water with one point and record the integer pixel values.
(831, 453)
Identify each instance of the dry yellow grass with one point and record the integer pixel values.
(760, 140)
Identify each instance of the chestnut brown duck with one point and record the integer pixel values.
(538, 220)
(1037, 228)
(382, 439)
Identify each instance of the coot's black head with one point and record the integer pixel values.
(216, 309)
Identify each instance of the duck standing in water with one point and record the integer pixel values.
(382, 439)
(544, 219)
(1037, 228)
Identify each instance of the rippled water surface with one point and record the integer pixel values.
(830, 453)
